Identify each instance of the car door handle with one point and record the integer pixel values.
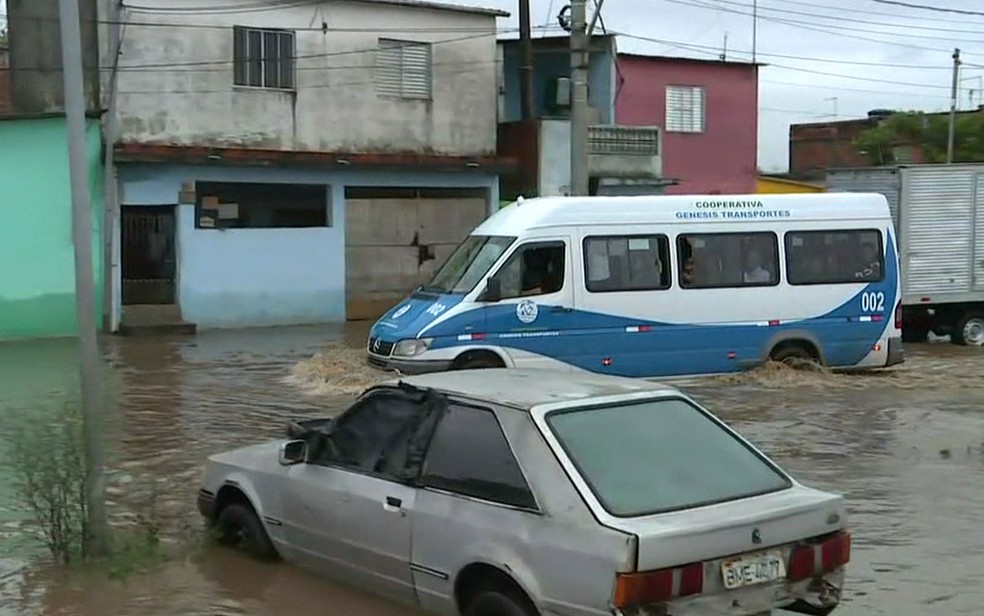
(393, 503)
(562, 309)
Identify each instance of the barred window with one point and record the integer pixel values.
(263, 58)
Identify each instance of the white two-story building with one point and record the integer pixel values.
(287, 162)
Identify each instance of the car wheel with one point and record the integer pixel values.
(499, 603)
(970, 330)
(240, 528)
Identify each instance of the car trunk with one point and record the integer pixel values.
(732, 528)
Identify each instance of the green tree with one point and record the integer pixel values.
(927, 132)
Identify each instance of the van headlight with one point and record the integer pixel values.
(411, 348)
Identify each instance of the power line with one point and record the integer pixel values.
(325, 29)
(842, 9)
(715, 51)
(807, 26)
(926, 7)
(813, 86)
(850, 20)
(318, 86)
(793, 68)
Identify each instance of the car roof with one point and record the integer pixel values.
(527, 388)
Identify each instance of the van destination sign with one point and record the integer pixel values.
(731, 210)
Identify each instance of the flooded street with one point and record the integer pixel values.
(906, 447)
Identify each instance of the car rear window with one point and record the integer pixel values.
(660, 455)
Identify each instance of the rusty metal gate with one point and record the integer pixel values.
(395, 239)
(148, 254)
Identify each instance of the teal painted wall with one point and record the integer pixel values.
(37, 261)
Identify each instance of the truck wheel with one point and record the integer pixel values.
(970, 330)
(914, 334)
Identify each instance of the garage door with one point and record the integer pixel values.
(396, 238)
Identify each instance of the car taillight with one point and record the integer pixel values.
(812, 560)
(658, 586)
(898, 315)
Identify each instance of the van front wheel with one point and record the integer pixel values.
(478, 360)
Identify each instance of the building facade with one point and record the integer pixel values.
(708, 113)
(816, 147)
(37, 257)
(293, 163)
(621, 160)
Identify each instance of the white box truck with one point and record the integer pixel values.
(938, 212)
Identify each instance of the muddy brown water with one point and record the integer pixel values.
(905, 446)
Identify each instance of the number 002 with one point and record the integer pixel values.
(872, 302)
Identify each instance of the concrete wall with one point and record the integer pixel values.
(335, 106)
(549, 64)
(35, 55)
(37, 259)
(258, 277)
(722, 159)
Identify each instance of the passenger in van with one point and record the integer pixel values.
(687, 275)
(870, 268)
(754, 273)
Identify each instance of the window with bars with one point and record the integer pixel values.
(264, 58)
(403, 69)
(685, 109)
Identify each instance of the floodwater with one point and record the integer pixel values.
(905, 446)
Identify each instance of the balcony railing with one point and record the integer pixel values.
(624, 140)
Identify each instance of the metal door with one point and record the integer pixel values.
(148, 254)
(395, 239)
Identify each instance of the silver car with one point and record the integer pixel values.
(523, 493)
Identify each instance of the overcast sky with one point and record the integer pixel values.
(872, 55)
(838, 38)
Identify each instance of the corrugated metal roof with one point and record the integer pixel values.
(440, 6)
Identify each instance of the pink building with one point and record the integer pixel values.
(708, 111)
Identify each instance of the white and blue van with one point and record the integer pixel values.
(659, 286)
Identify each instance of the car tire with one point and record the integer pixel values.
(970, 330)
(499, 603)
(239, 527)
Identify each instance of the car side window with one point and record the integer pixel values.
(469, 455)
(373, 436)
(534, 269)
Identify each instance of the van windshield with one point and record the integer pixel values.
(467, 265)
(656, 456)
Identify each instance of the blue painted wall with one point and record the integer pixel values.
(548, 65)
(260, 277)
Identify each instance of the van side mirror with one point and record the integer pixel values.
(293, 452)
(493, 290)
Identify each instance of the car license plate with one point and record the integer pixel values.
(753, 569)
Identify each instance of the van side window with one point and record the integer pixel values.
(728, 260)
(627, 263)
(834, 257)
(534, 269)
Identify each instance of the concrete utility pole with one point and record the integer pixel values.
(953, 106)
(110, 192)
(579, 99)
(526, 61)
(71, 43)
